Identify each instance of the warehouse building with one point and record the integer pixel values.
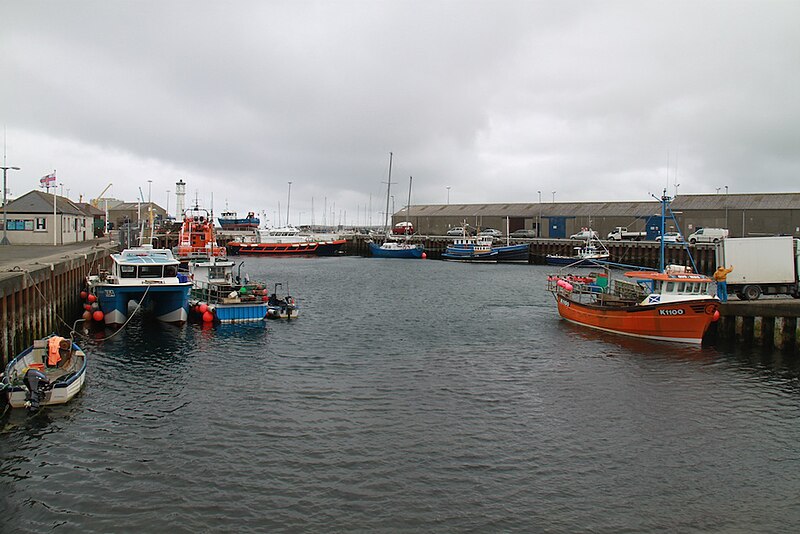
(744, 215)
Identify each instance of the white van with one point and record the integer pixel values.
(708, 235)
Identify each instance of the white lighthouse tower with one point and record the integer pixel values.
(180, 193)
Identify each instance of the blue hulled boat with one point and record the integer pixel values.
(147, 276)
(215, 289)
(394, 249)
(482, 249)
(229, 221)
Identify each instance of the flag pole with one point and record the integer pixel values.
(55, 233)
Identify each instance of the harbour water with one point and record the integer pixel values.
(410, 396)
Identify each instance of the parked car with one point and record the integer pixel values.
(459, 231)
(403, 228)
(523, 233)
(708, 235)
(491, 232)
(585, 234)
(671, 237)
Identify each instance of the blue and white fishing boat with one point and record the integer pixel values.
(51, 371)
(215, 289)
(587, 255)
(145, 276)
(482, 249)
(230, 221)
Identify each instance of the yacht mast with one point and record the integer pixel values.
(388, 192)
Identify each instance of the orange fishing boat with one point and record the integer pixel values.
(671, 304)
(667, 306)
(196, 239)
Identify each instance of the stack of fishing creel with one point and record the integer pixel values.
(91, 307)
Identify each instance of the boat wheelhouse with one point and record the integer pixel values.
(145, 276)
(196, 238)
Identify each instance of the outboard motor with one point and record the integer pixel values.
(38, 385)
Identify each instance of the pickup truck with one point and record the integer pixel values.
(621, 232)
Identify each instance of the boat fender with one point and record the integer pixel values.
(715, 317)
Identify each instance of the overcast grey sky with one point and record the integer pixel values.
(496, 99)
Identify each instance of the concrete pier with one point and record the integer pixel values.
(645, 253)
(40, 287)
(770, 321)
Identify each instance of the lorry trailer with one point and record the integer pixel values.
(761, 265)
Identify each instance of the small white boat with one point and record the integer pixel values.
(282, 308)
(51, 371)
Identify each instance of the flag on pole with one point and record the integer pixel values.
(45, 181)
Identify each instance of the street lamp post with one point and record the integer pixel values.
(5, 201)
(539, 220)
(726, 206)
(554, 197)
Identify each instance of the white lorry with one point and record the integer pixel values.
(761, 265)
(621, 232)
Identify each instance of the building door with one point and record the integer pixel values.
(557, 227)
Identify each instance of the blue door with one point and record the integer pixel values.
(557, 227)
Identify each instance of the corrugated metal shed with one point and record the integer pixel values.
(749, 201)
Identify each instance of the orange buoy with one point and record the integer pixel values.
(97, 316)
(208, 317)
(91, 297)
(87, 316)
(84, 294)
(716, 316)
(202, 307)
(87, 307)
(424, 256)
(265, 298)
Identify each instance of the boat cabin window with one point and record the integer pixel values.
(656, 286)
(681, 287)
(127, 271)
(150, 271)
(170, 270)
(216, 272)
(670, 287)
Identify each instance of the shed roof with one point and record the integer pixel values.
(40, 202)
(752, 201)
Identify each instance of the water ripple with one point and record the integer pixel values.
(410, 396)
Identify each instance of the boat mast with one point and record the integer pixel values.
(388, 191)
(408, 206)
(664, 200)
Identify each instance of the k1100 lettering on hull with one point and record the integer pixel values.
(670, 312)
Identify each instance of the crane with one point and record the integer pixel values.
(96, 201)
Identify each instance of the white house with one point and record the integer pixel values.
(34, 219)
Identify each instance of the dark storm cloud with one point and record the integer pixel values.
(498, 100)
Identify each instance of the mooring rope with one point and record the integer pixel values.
(48, 302)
